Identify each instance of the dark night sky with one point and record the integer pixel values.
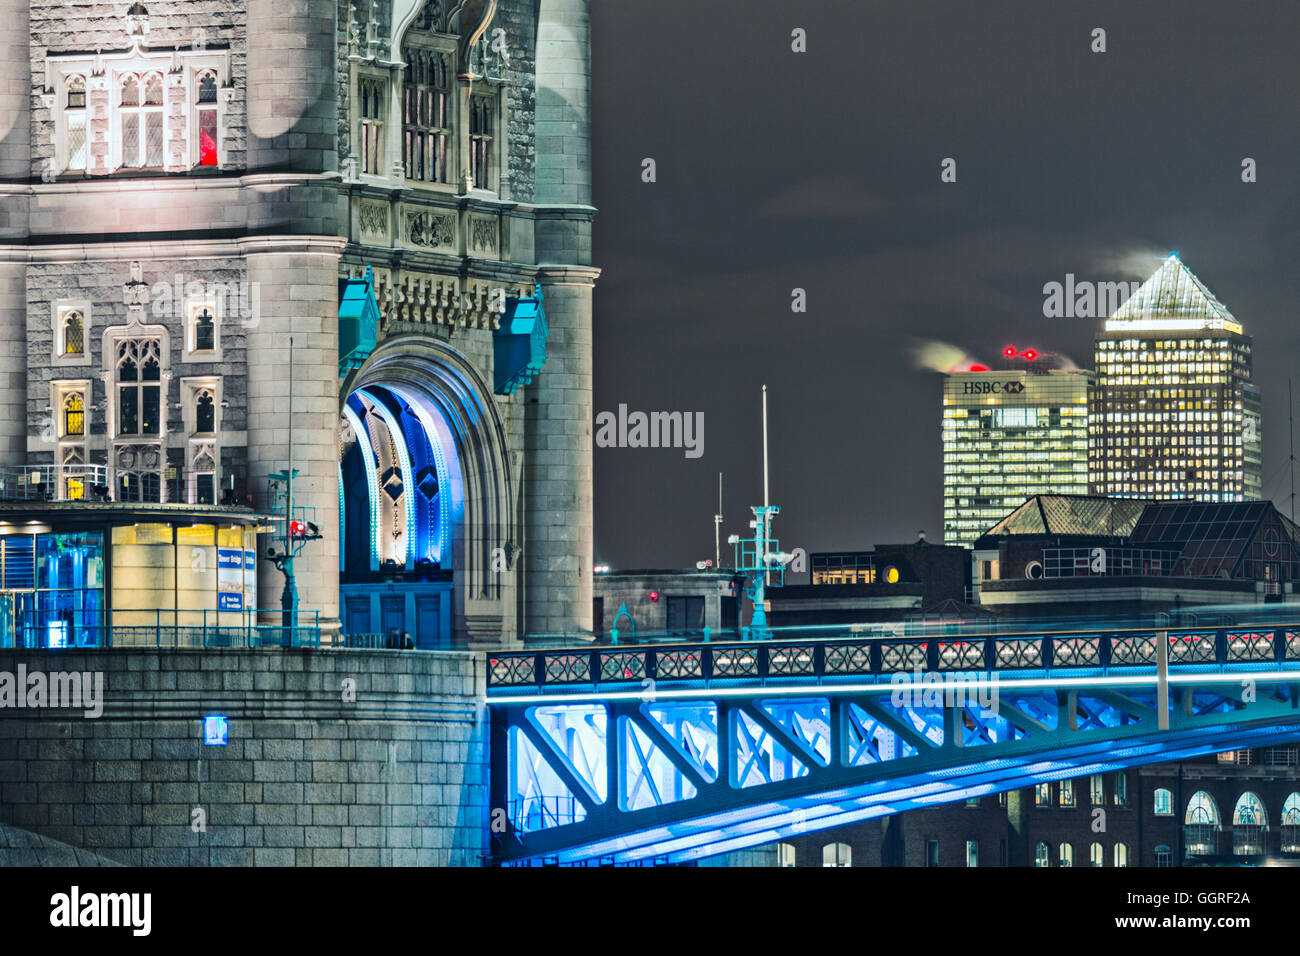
(821, 170)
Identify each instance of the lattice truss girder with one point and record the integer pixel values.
(627, 775)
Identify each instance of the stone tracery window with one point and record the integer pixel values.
(207, 117)
(138, 375)
(74, 415)
(201, 400)
(140, 120)
(142, 109)
(74, 334)
(75, 107)
(371, 92)
(426, 115)
(482, 111)
(70, 427)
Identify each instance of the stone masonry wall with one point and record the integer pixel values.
(58, 26)
(399, 777)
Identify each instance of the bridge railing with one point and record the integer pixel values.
(185, 628)
(878, 658)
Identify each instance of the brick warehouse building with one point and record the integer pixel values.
(183, 186)
(1236, 808)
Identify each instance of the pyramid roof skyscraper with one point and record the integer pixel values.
(1173, 297)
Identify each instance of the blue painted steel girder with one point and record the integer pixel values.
(1091, 723)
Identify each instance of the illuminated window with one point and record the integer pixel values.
(972, 853)
(785, 854)
(139, 391)
(74, 333)
(1043, 795)
(837, 854)
(1042, 855)
(1096, 789)
(70, 424)
(74, 414)
(1097, 855)
(1164, 803)
(1067, 793)
(1066, 857)
(1121, 789)
(206, 111)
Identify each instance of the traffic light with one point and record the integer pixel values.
(303, 529)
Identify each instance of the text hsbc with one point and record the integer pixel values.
(983, 388)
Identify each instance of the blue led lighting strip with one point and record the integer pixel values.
(372, 479)
(404, 464)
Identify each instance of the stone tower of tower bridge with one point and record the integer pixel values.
(248, 155)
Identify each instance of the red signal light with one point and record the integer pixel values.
(1031, 354)
(978, 368)
(297, 528)
(1009, 351)
(654, 595)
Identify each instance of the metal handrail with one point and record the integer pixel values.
(212, 628)
(876, 657)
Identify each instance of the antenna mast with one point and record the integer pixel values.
(717, 528)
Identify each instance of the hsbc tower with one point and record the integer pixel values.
(1009, 435)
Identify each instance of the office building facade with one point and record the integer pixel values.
(1009, 435)
(1173, 412)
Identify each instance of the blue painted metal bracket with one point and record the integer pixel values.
(519, 343)
(358, 321)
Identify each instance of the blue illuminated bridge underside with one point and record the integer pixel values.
(686, 751)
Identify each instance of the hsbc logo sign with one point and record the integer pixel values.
(986, 388)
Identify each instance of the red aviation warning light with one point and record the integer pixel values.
(1009, 351)
(1030, 354)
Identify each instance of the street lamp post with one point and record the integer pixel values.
(294, 533)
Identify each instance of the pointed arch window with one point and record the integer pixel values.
(207, 117)
(74, 415)
(205, 331)
(426, 116)
(205, 413)
(371, 92)
(75, 113)
(140, 118)
(138, 374)
(74, 334)
(482, 121)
